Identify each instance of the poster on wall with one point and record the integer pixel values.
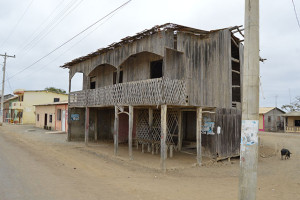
(74, 117)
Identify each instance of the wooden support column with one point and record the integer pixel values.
(96, 125)
(130, 130)
(179, 145)
(284, 124)
(87, 125)
(198, 135)
(116, 132)
(69, 109)
(151, 125)
(163, 137)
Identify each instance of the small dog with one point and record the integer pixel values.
(285, 153)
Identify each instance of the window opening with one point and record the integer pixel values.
(115, 77)
(93, 82)
(156, 69)
(59, 114)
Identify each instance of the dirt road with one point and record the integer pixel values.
(35, 165)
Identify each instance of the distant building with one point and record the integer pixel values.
(9, 114)
(28, 98)
(292, 121)
(52, 116)
(270, 119)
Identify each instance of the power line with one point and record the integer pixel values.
(16, 25)
(296, 13)
(70, 39)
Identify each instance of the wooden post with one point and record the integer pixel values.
(284, 124)
(96, 125)
(198, 135)
(130, 130)
(116, 132)
(163, 137)
(250, 104)
(179, 145)
(69, 109)
(87, 125)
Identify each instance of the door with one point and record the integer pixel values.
(46, 120)
(63, 120)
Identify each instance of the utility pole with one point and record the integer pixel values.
(3, 81)
(250, 104)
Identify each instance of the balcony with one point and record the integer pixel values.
(18, 105)
(292, 129)
(146, 92)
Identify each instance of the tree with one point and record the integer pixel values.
(56, 90)
(294, 106)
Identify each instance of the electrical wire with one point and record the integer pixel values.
(296, 13)
(90, 26)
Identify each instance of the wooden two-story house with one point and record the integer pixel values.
(164, 89)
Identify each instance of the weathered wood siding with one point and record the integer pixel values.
(208, 65)
(174, 66)
(103, 74)
(137, 67)
(155, 43)
(227, 143)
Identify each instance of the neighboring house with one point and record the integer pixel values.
(28, 98)
(52, 116)
(9, 114)
(7, 96)
(158, 87)
(270, 119)
(292, 121)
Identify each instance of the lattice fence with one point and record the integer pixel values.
(146, 92)
(145, 135)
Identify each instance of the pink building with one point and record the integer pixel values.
(52, 116)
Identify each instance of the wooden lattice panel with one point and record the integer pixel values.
(147, 92)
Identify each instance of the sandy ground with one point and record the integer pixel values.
(37, 165)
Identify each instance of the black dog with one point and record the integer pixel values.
(286, 153)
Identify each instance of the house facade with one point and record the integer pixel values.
(28, 98)
(52, 116)
(292, 122)
(271, 119)
(166, 89)
(9, 114)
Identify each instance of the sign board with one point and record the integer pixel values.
(74, 117)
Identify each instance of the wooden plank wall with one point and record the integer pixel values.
(208, 65)
(155, 43)
(227, 143)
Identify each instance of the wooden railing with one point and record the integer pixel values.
(146, 92)
(292, 129)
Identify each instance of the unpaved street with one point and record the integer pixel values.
(36, 165)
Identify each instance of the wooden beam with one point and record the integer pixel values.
(130, 130)
(198, 135)
(235, 60)
(179, 144)
(116, 132)
(151, 125)
(69, 109)
(163, 137)
(96, 125)
(87, 125)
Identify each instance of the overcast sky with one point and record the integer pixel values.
(30, 29)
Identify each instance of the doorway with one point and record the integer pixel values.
(46, 119)
(63, 120)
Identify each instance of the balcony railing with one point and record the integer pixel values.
(292, 129)
(146, 92)
(17, 105)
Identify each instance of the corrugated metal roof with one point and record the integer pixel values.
(264, 110)
(292, 114)
(52, 104)
(140, 35)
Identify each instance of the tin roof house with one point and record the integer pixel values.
(167, 88)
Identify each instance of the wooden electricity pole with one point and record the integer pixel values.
(3, 81)
(250, 104)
